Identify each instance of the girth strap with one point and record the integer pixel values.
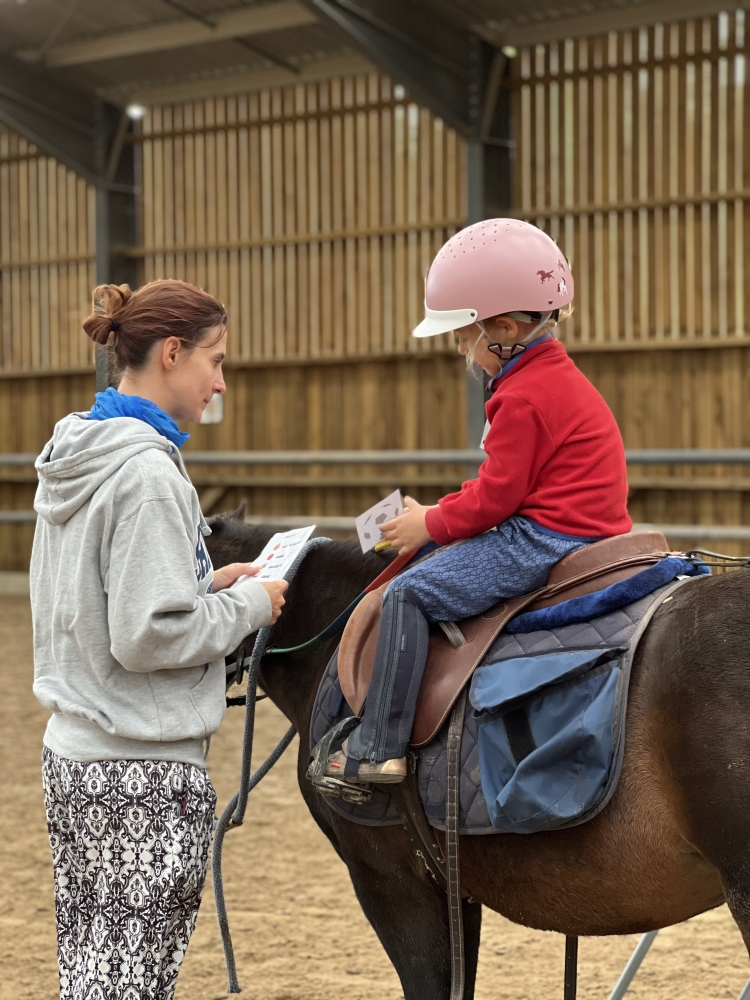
(452, 811)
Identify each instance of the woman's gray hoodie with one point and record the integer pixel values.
(129, 642)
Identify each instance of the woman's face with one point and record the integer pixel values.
(196, 375)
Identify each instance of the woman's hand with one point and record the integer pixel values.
(230, 573)
(408, 532)
(276, 589)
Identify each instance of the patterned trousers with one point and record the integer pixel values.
(130, 842)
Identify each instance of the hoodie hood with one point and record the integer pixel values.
(83, 454)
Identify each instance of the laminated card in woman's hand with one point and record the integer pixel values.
(279, 554)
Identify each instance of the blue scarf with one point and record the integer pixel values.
(115, 404)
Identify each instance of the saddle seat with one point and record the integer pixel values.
(456, 651)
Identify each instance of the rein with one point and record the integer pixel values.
(234, 813)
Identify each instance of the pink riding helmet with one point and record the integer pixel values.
(493, 267)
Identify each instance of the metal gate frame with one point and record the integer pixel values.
(634, 963)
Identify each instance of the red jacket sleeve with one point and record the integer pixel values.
(517, 445)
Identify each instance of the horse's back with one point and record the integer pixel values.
(653, 856)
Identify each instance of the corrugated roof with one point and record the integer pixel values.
(121, 48)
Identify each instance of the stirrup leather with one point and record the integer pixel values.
(328, 785)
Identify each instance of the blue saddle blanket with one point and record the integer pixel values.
(544, 727)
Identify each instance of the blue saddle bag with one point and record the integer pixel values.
(548, 735)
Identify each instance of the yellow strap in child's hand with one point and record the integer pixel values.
(385, 544)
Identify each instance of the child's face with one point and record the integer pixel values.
(472, 344)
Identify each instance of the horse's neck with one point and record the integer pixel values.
(292, 681)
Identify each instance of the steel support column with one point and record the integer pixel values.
(488, 174)
(88, 136)
(116, 223)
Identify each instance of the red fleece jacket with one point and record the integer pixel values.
(554, 455)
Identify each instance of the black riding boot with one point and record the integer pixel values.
(400, 659)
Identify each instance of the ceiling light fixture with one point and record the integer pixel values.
(136, 111)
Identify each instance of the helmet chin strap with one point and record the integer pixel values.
(506, 354)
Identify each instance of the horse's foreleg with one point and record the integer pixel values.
(410, 916)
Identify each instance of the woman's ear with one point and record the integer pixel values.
(170, 350)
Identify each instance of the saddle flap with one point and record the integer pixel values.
(448, 667)
(359, 642)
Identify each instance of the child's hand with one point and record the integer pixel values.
(229, 574)
(408, 532)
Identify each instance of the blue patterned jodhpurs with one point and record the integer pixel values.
(466, 579)
(455, 583)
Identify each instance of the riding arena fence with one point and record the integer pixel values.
(469, 458)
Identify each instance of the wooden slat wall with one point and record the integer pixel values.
(633, 153)
(313, 212)
(47, 269)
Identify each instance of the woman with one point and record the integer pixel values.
(131, 627)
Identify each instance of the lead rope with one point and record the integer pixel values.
(234, 814)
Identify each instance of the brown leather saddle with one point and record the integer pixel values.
(455, 651)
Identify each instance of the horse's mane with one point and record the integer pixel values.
(232, 540)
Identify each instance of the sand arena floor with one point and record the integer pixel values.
(299, 933)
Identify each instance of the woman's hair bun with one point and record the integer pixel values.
(157, 311)
(107, 301)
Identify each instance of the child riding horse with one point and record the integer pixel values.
(554, 479)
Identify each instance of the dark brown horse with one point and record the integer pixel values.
(673, 842)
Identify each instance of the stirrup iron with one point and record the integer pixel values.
(326, 784)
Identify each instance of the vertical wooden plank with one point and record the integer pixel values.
(690, 153)
(147, 198)
(244, 182)
(597, 275)
(658, 188)
(178, 197)
(675, 154)
(54, 271)
(584, 195)
(232, 227)
(722, 170)
(5, 250)
(23, 319)
(644, 157)
(199, 161)
(159, 191)
(267, 228)
(740, 284)
(613, 256)
(385, 119)
(313, 222)
(189, 193)
(44, 271)
(705, 187)
(628, 193)
(83, 251)
(211, 193)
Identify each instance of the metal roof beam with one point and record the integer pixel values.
(243, 83)
(177, 34)
(444, 68)
(76, 128)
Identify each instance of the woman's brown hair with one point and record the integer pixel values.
(160, 309)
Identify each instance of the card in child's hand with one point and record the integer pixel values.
(279, 553)
(368, 524)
